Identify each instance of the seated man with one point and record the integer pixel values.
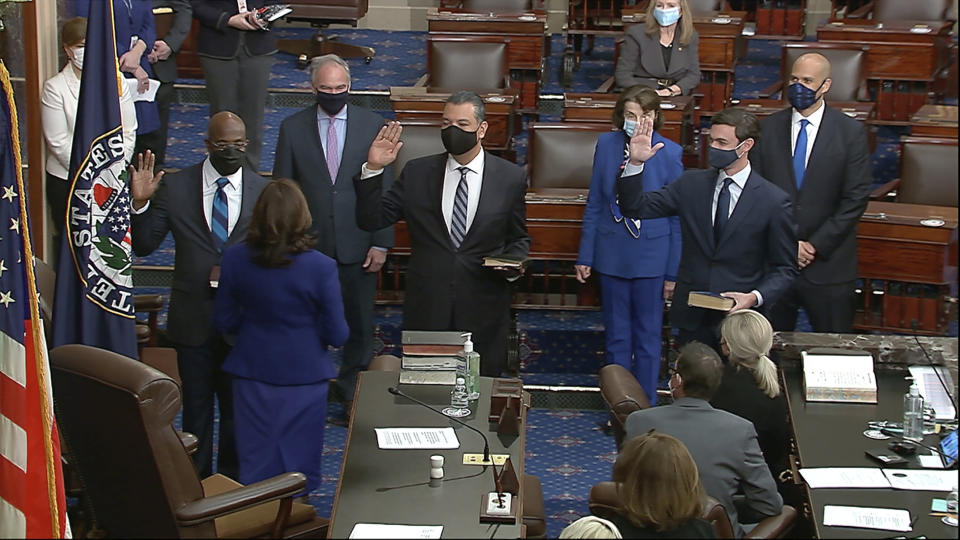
(723, 445)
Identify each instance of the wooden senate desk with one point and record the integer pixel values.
(525, 35)
(393, 486)
(903, 60)
(909, 268)
(934, 121)
(417, 102)
(831, 435)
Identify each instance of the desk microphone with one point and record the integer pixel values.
(896, 435)
(486, 444)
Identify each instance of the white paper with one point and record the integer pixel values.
(149, 95)
(382, 530)
(838, 371)
(933, 392)
(919, 480)
(416, 438)
(890, 519)
(931, 461)
(845, 477)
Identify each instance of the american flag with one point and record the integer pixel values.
(32, 503)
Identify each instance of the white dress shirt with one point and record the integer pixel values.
(59, 116)
(736, 189)
(815, 119)
(233, 190)
(451, 179)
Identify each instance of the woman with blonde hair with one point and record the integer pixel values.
(750, 387)
(659, 490)
(663, 53)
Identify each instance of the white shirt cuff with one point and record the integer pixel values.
(141, 210)
(367, 173)
(759, 297)
(630, 169)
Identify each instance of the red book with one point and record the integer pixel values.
(885, 101)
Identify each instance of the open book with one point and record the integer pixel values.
(839, 377)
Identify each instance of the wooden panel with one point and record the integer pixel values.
(893, 244)
(899, 50)
(935, 121)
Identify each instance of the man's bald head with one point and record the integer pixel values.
(814, 62)
(225, 123)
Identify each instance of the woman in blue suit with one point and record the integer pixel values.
(636, 260)
(282, 301)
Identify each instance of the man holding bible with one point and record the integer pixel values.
(738, 234)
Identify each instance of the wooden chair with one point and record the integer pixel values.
(321, 14)
(928, 173)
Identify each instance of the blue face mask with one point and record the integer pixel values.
(666, 17)
(721, 159)
(629, 127)
(801, 97)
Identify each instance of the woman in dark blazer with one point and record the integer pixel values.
(662, 53)
(636, 261)
(282, 300)
(750, 388)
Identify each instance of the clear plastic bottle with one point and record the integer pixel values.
(913, 413)
(459, 401)
(471, 359)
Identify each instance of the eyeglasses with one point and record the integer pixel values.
(230, 145)
(632, 225)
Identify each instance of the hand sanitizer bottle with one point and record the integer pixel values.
(472, 360)
(913, 413)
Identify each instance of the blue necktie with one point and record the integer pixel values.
(219, 219)
(723, 210)
(458, 219)
(800, 153)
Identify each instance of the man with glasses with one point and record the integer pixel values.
(207, 207)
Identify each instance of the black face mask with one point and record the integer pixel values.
(458, 141)
(227, 161)
(721, 159)
(332, 103)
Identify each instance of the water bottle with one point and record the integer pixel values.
(952, 501)
(459, 400)
(913, 413)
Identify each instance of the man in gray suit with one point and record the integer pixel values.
(322, 147)
(724, 446)
(173, 20)
(207, 207)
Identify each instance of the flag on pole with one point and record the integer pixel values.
(32, 502)
(94, 293)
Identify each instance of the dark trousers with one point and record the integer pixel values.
(359, 289)
(708, 332)
(830, 308)
(203, 379)
(240, 85)
(58, 189)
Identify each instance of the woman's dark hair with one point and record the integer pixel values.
(279, 224)
(73, 31)
(644, 96)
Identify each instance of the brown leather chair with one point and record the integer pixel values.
(322, 13)
(498, 6)
(604, 501)
(135, 468)
(470, 63)
(928, 173)
(847, 61)
(560, 155)
(420, 138)
(384, 362)
(623, 395)
(904, 10)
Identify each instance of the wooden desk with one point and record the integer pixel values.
(525, 48)
(416, 102)
(392, 486)
(934, 121)
(904, 59)
(863, 111)
(831, 435)
(594, 107)
(908, 269)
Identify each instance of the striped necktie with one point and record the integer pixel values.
(458, 219)
(219, 219)
(333, 151)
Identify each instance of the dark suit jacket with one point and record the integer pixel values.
(176, 207)
(641, 61)
(835, 188)
(166, 70)
(217, 40)
(284, 318)
(300, 157)
(726, 451)
(446, 284)
(758, 249)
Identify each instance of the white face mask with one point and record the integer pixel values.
(76, 57)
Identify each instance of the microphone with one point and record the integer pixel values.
(896, 435)
(914, 325)
(486, 444)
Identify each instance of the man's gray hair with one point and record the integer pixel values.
(466, 96)
(319, 61)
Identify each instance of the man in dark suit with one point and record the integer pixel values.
(207, 207)
(724, 446)
(819, 156)
(236, 53)
(163, 58)
(460, 207)
(322, 148)
(737, 228)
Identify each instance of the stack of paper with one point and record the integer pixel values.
(845, 378)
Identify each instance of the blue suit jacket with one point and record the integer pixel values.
(284, 318)
(606, 245)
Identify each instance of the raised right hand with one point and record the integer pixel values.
(640, 149)
(583, 272)
(384, 148)
(143, 183)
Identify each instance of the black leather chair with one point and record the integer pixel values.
(498, 6)
(322, 13)
(420, 138)
(560, 155)
(466, 63)
(928, 173)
